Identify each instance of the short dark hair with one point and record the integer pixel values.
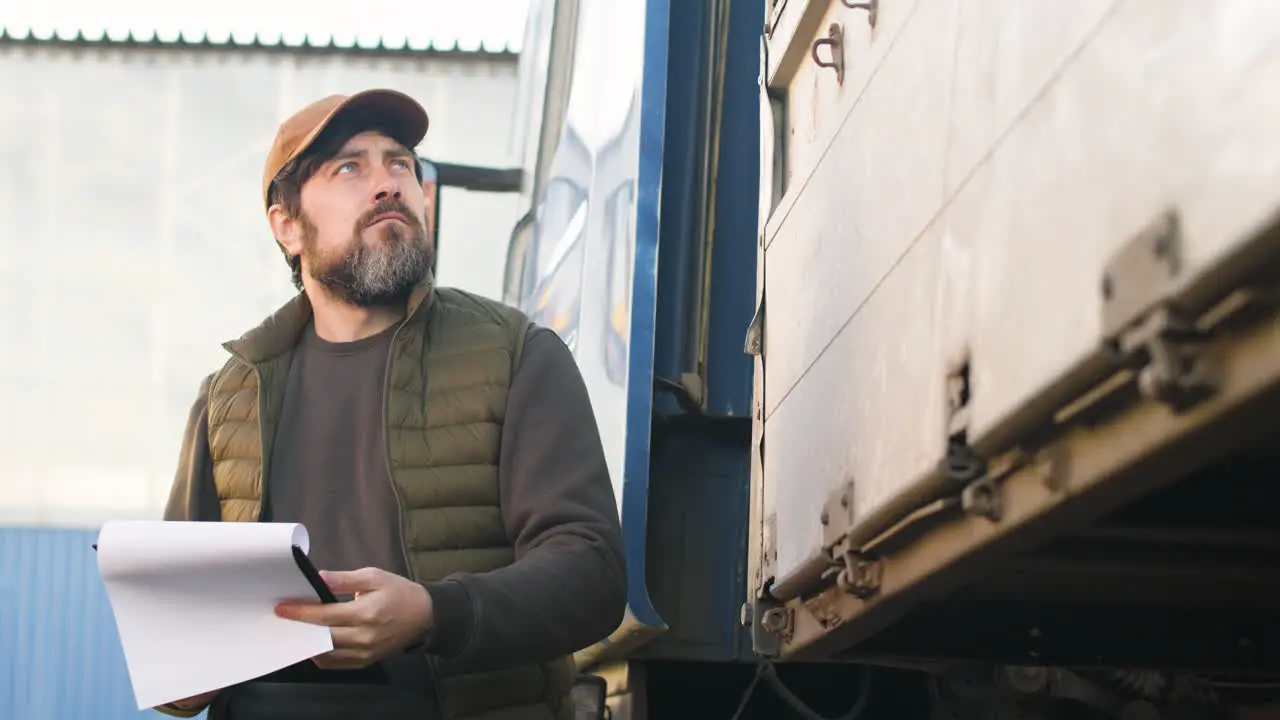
(286, 187)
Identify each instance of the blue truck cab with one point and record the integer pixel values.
(639, 248)
(635, 133)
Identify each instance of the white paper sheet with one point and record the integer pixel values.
(194, 603)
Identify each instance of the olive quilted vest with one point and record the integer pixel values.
(443, 448)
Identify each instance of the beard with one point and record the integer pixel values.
(377, 271)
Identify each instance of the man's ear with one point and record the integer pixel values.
(287, 230)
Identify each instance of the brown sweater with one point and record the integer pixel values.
(567, 587)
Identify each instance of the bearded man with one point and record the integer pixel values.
(440, 449)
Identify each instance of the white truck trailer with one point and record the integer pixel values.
(1016, 346)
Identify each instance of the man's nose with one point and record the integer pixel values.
(385, 186)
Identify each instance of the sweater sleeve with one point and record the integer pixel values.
(567, 586)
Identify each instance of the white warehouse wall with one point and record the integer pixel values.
(133, 242)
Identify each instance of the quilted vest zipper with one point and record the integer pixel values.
(386, 449)
(432, 668)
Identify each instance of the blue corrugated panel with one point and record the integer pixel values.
(60, 655)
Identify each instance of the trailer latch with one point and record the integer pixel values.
(1141, 325)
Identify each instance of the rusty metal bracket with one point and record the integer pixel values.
(962, 465)
(775, 620)
(837, 514)
(769, 550)
(854, 573)
(1142, 328)
(1175, 372)
(982, 497)
(978, 479)
(860, 575)
(770, 623)
(1141, 275)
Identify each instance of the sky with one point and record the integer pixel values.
(493, 24)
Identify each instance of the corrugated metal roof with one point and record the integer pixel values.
(349, 43)
(432, 26)
(60, 654)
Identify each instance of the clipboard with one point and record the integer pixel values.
(306, 671)
(308, 571)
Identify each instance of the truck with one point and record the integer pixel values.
(933, 345)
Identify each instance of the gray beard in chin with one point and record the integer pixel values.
(378, 274)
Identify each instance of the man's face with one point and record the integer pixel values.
(362, 230)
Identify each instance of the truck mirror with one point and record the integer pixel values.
(431, 190)
(436, 175)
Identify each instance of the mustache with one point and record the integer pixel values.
(389, 205)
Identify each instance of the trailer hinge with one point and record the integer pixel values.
(962, 465)
(980, 480)
(854, 573)
(769, 621)
(1141, 326)
(982, 495)
(1168, 350)
(858, 574)
(837, 514)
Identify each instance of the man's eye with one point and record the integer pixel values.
(403, 164)
(347, 166)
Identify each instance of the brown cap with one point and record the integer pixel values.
(298, 132)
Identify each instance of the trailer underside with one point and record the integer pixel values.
(1128, 544)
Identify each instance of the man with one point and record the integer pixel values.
(440, 449)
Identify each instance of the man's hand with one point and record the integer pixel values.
(389, 613)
